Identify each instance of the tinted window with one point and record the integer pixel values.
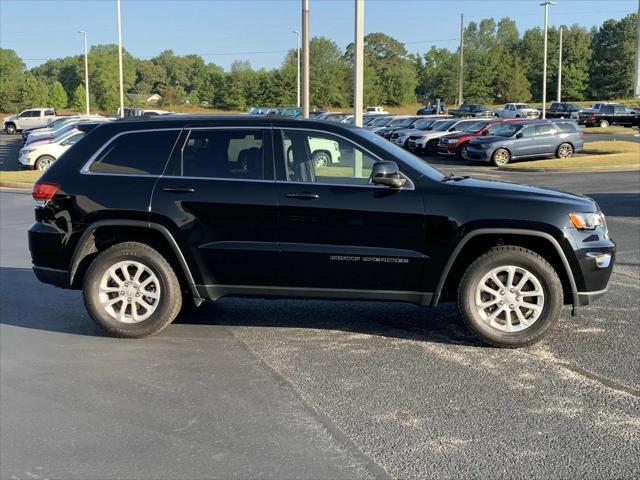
(529, 131)
(143, 153)
(324, 158)
(49, 112)
(567, 127)
(224, 154)
(607, 109)
(30, 113)
(545, 129)
(620, 109)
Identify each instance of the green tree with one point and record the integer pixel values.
(78, 100)
(576, 57)
(440, 75)
(32, 92)
(103, 75)
(12, 71)
(57, 95)
(611, 69)
(330, 75)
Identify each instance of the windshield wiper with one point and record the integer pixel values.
(452, 177)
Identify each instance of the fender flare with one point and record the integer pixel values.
(81, 247)
(506, 231)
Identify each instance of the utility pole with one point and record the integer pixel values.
(560, 69)
(305, 58)
(461, 69)
(636, 71)
(86, 72)
(544, 63)
(358, 65)
(298, 63)
(120, 60)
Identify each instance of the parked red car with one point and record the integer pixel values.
(454, 143)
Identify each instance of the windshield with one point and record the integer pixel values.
(495, 128)
(380, 122)
(441, 127)
(406, 122)
(398, 122)
(521, 106)
(475, 127)
(64, 130)
(401, 154)
(369, 120)
(425, 124)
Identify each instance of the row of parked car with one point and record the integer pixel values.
(491, 140)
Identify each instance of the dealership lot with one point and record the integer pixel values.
(275, 389)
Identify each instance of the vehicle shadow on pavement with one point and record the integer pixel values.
(618, 204)
(383, 319)
(62, 311)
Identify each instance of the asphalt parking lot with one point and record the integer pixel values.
(295, 389)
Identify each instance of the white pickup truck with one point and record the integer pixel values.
(32, 118)
(516, 110)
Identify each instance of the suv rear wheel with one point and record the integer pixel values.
(603, 124)
(510, 297)
(131, 291)
(565, 150)
(10, 128)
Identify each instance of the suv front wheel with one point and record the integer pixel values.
(131, 291)
(510, 296)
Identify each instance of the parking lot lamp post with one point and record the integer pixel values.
(86, 72)
(544, 63)
(358, 64)
(560, 69)
(120, 60)
(298, 63)
(305, 58)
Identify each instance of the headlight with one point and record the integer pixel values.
(485, 146)
(450, 140)
(586, 221)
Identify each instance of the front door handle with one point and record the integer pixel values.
(303, 196)
(179, 189)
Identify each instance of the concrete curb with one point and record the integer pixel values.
(18, 185)
(564, 170)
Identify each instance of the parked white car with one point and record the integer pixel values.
(34, 117)
(41, 155)
(71, 122)
(516, 110)
(401, 137)
(427, 141)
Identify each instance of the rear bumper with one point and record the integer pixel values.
(52, 276)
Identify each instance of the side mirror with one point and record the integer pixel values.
(388, 174)
(519, 135)
(485, 132)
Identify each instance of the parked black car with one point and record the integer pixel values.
(471, 110)
(563, 110)
(144, 215)
(610, 115)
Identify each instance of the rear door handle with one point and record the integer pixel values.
(303, 196)
(179, 189)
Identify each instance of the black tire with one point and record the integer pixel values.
(321, 158)
(432, 148)
(169, 303)
(500, 157)
(519, 257)
(603, 124)
(44, 162)
(10, 128)
(564, 150)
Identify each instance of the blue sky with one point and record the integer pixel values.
(260, 30)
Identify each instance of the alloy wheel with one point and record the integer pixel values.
(565, 151)
(501, 157)
(321, 160)
(129, 291)
(509, 298)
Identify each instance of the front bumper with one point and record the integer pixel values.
(478, 154)
(448, 148)
(25, 161)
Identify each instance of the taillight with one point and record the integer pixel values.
(44, 190)
(593, 117)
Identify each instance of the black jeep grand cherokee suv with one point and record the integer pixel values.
(146, 214)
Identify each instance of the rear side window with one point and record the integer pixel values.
(607, 110)
(136, 153)
(49, 112)
(567, 127)
(545, 129)
(224, 154)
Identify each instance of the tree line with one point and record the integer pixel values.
(500, 65)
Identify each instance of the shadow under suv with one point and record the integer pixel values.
(146, 214)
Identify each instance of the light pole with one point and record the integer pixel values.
(560, 69)
(298, 63)
(86, 71)
(305, 58)
(120, 60)
(358, 64)
(544, 63)
(461, 67)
